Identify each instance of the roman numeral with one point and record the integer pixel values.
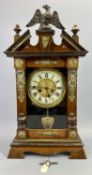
(59, 87)
(33, 87)
(57, 81)
(52, 76)
(35, 94)
(46, 75)
(35, 81)
(40, 77)
(46, 101)
(57, 94)
(39, 99)
(52, 98)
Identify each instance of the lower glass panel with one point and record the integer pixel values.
(40, 122)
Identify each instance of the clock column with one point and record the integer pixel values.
(72, 66)
(20, 68)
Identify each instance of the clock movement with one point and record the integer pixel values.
(46, 86)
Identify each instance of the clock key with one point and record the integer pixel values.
(47, 164)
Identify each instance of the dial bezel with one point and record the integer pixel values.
(34, 101)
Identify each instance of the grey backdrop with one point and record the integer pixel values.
(20, 12)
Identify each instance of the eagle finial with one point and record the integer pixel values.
(46, 19)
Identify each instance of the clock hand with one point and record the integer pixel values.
(40, 90)
(44, 88)
(49, 93)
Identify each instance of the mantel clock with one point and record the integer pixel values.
(46, 85)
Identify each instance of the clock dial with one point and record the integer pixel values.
(46, 88)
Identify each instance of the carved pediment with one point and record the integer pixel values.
(22, 46)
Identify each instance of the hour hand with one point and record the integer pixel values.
(49, 95)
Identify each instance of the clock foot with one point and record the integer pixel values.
(78, 154)
(16, 153)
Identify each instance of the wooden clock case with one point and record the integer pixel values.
(31, 137)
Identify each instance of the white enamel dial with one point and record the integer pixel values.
(46, 87)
